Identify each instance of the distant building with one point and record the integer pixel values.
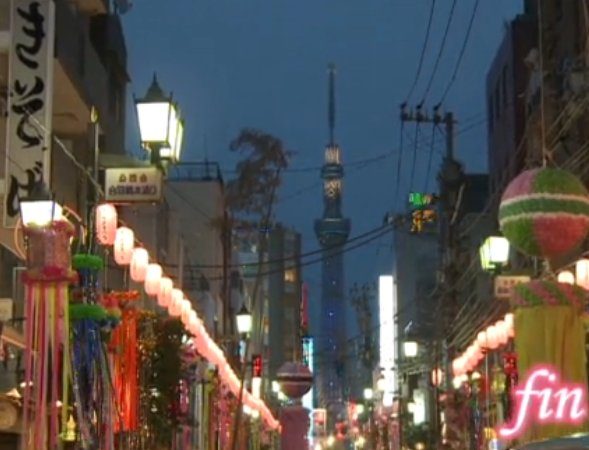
(507, 79)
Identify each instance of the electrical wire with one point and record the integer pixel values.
(423, 49)
(414, 163)
(461, 54)
(430, 158)
(440, 51)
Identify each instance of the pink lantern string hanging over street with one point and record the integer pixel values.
(153, 277)
(185, 308)
(139, 263)
(175, 306)
(124, 245)
(106, 218)
(164, 296)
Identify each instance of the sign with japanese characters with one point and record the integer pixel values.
(30, 90)
(133, 184)
(504, 284)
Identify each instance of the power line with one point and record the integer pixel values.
(441, 51)
(423, 49)
(462, 51)
(430, 158)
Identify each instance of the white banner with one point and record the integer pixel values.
(504, 285)
(30, 81)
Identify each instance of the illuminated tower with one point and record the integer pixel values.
(332, 231)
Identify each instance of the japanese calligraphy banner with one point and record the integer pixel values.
(133, 184)
(30, 81)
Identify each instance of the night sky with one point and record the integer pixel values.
(262, 63)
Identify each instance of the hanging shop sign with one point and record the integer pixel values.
(30, 90)
(504, 285)
(420, 200)
(544, 398)
(133, 184)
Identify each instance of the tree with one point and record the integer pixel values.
(250, 198)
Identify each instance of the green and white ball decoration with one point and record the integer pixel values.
(545, 212)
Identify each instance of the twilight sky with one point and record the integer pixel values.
(262, 63)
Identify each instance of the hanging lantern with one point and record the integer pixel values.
(502, 332)
(545, 212)
(123, 245)
(566, 276)
(139, 262)
(186, 307)
(164, 296)
(437, 377)
(483, 340)
(106, 223)
(153, 277)
(175, 306)
(492, 337)
(582, 273)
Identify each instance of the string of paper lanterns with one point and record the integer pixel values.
(157, 285)
(491, 338)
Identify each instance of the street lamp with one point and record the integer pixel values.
(368, 393)
(244, 321)
(39, 208)
(410, 348)
(160, 125)
(494, 253)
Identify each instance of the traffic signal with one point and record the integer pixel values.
(257, 366)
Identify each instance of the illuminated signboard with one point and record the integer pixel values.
(544, 398)
(387, 301)
(421, 200)
(308, 397)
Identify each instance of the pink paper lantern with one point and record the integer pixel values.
(123, 245)
(175, 306)
(502, 331)
(164, 296)
(139, 262)
(185, 311)
(106, 223)
(456, 367)
(493, 337)
(153, 277)
(483, 340)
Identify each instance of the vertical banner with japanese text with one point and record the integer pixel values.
(30, 81)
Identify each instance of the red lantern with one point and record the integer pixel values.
(123, 245)
(139, 262)
(153, 277)
(106, 223)
(164, 296)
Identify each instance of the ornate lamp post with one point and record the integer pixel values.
(160, 125)
(494, 253)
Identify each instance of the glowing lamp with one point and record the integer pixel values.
(582, 273)
(483, 340)
(39, 209)
(492, 337)
(410, 348)
(153, 277)
(160, 125)
(139, 263)
(123, 246)
(165, 293)
(106, 223)
(368, 393)
(566, 276)
(175, 306)
(494, 253)
(186, 307)
(244, 321)
(437, 376)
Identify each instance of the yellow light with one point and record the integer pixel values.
(494, 252)
(566, 276)
(582, 273)
(410, 348)
(360, 442)
(330, 441)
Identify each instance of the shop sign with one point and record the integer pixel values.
(30, 94)
(133, 184)
(543, 398)
(504, 284)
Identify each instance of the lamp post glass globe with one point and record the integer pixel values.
(39, 208)
(494, 252)
(244, 321)
(410, 348)
(160, 125)
(368, 394)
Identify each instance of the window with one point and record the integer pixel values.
(290, 275)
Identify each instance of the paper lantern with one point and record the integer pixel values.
(175, 305)
(139, 262)
(492, 337)
(483, 340)
(153, 277)
(545, 212)
(582, 273)
(123, 245)
(566, 276)
(165, 293)
(106, 223)
(502, 332)
(186, 307)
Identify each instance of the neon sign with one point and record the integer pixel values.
(543, 398)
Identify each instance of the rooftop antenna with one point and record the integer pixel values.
(331, 110)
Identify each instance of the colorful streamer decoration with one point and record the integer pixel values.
(46, 333)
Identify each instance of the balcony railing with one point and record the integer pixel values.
(196, 171)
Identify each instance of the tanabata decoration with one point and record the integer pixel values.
(124, 358)
(549, 330)
(90, 370)
(46, 284)
(545, 212)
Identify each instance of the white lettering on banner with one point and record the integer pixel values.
(30, 81)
